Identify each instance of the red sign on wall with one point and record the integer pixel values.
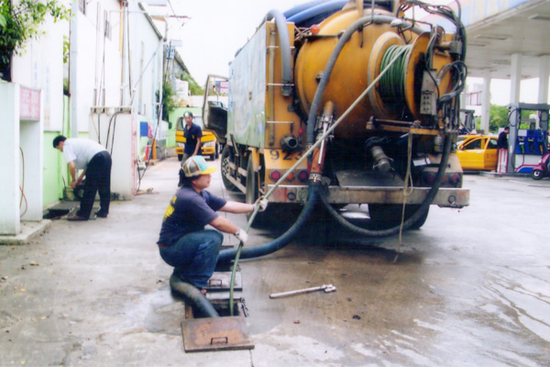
(29, 104)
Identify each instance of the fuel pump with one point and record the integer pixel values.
(527, 146)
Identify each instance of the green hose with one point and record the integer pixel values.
(392, 84)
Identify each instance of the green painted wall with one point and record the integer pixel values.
(54, 166)
(55, 171)
(52, 171)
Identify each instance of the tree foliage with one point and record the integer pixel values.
(194, 88)
(20, 22)
(500, 118)
(169, 103)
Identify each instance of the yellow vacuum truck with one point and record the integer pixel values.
(373, 91)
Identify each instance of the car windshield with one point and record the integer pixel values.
(197, 120)
(475, 144)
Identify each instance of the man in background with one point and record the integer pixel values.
(502, 146)
(193, 134)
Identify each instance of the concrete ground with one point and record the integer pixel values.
(470, 288)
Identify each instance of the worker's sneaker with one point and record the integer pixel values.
(100, 214)
(75, 218)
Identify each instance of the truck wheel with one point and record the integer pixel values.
(180, 157)
(217, 152)
(226, 169)
(385, 216)
(536, 174)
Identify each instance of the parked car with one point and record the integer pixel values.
(477, 152)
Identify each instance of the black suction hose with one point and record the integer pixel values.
(315, 105)
(409, 222)
(192, 295)
(314, 187)
(284, 43)
(283, 240)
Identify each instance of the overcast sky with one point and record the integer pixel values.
(217, 29)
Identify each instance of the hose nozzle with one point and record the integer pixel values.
(381, 161)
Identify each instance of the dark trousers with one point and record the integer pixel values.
(194, 256)
(98, 179)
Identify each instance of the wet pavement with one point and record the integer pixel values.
(471, 288)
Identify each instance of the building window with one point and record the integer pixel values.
(82, 6)
(107, 26)
(474, 99)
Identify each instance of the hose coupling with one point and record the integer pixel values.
(381, 161)
(289, 143)
(315, 177)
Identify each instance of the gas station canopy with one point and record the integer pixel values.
(498, 29)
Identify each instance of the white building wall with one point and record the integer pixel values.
(41, 67)
(100, 66)
(99, 59)
(146, 55)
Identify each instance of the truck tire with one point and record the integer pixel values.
(385, 216)
(225, 168)
(180, 157)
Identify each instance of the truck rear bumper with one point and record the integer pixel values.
(446, 197)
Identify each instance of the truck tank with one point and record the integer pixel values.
(385, 89)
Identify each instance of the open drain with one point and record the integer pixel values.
(221, 333)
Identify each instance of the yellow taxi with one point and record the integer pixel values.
(477, 152)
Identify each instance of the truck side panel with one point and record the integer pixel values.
(247, 92)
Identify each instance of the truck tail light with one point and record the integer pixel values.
(303, 176)
(275, 176)
(455, 179)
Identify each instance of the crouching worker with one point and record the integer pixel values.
(184, 243)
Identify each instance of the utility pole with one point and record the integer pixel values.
(73, 75)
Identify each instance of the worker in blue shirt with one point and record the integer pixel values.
(183, 242)
(193, 134)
